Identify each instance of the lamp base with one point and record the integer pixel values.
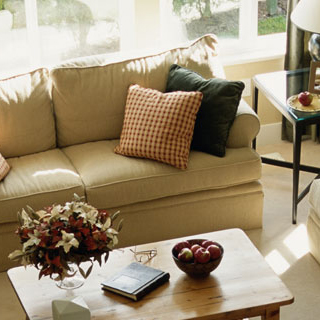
(314, 47)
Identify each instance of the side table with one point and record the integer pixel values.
(277, 88)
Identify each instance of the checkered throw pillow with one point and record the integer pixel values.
(4, 167)
(158, 125)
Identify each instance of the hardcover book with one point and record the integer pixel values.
(135, 280)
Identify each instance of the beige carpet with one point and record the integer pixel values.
(283, 245)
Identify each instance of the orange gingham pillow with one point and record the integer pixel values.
(158, 125)
(4, 167)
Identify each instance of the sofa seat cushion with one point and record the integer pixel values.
(116, 180)
(37, 180)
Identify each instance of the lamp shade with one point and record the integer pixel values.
(306, 15)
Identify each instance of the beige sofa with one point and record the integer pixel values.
(313, 220)
(58, 131)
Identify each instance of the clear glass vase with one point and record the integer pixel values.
(73, 281)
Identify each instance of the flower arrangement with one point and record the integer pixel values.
(59, 235)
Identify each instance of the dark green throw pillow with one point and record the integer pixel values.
(217, 111)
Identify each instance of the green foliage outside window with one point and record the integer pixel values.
(272, 25)
(204, 7)
(272, 17)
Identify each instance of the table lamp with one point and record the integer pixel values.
(306, 17)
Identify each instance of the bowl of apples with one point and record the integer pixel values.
(197, 257)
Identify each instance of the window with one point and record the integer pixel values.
(208, 16)
(241, 25)
(34, 33)
(272, 16)
(45, 32)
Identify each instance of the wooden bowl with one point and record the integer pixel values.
(194, 268)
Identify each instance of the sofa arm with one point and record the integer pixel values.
(245, 127)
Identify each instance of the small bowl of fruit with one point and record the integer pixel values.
(197, 257)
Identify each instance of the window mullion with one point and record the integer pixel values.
(33, 33)
(248, 22)
(127, 25)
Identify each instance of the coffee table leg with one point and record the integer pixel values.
(271, 314)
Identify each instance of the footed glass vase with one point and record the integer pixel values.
(72, 281)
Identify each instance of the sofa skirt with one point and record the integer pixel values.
(172, 217)
(191, 214)
(313, 230)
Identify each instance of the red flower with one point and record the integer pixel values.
(46, 271)
(24, 233)
(77, 223)
(78, 236)
(103, 236)
(85, 231)
(90, 243)
(103, 215)
(79, 239)
(57, 225)
(96, 235)
(55, 261)
(54, 240)
(44, 241)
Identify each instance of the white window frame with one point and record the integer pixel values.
(32, 33)
(250, 47)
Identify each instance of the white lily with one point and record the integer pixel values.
(27, 221)
(33, 241)
(15, 254)
(112, 234)
(106, 225)
(55, 212)
(90, 216)
(68, 241)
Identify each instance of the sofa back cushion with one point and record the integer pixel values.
(89, 94)
(26, 114)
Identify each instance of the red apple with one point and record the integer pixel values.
(305, 98)
(185, 255)
(215, 251)
(180, 245)
(207, 243)
(202, 255)
(195, 247)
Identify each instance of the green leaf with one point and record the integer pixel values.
(64, 263)
(40, 275)
(16, 255)
(89, 271)
(32, 213)
(20, 220)
(114, 215)
(76, 197)
(120, 225)
(98, 258)
(82, 272)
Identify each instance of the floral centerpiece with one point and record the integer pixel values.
(60, 235)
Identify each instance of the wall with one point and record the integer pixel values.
(267, 113)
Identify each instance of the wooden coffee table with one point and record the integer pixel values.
(242, 286)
